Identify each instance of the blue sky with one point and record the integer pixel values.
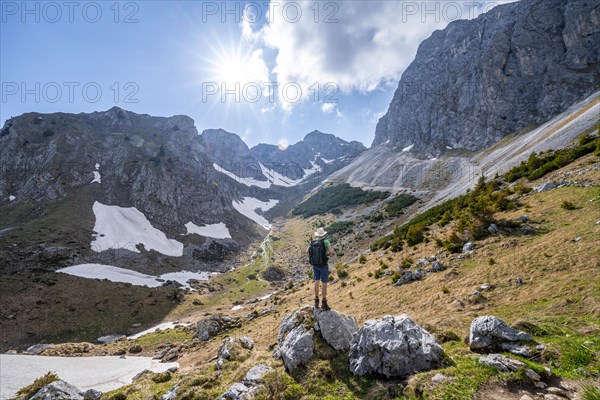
(270, 72)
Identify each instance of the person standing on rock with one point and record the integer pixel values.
(319, 251)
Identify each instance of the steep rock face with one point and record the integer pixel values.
(56, 166)
(231, 152)
(318, 151)
(476, 81)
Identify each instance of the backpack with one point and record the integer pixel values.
(317, 253)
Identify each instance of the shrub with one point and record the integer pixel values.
(30, 390)
(491, 261)
(567, 205)
(161, 377)
(362, 259)
(340, 227)
(333, 197)
(406, 262)
(398, 203)
(378, 274)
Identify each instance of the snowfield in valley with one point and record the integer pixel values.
(116, 274)
(248, 207)
(215, 231)
(124, 228)
(103, 373)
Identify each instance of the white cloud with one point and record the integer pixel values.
(328, 107)
(370, 45)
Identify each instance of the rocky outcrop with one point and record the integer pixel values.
(273, 273)
(394, 346)
(336, 329)
(317, 149)
(215, 324)
(58, 390)
(489, 333)
(295, 339)
(479, 80)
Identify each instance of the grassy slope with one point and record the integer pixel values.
(561, 297)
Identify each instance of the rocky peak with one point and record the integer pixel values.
(477, 81)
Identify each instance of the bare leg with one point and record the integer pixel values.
(316, 289)
(324, 290)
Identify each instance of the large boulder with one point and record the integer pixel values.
(274, 273)
(489, 333)
(215, 324)
(394, 346)
(295, 339)
(58, 390)
(337, 330)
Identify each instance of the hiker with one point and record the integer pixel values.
(319, 251)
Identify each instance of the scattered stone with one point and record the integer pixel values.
(524, 218)
(493, 228)
(545, 186)
(488, 333)
(534, 376)
(337, 329)
(215, 324)
(170, 356)
(408, 276)
(171, 394)
(469, 246)
(235, 392)
(246, 342)
(519, 280)
(527, 230)
(136, 325)
(256, 373)
(92, 394)
(501, 363)
(436, 267)
(526, 397)
(519, 350)
(440, 378)
(274, 274)
(394, 346)
(58, 390)
(37, 349)
(136, 348)
(141, 374)
(577, 239)
(485, 286)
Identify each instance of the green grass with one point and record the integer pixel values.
(174, 336)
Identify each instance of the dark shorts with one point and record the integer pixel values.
(321, 273)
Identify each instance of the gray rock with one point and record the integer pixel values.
(246, 342)
(58, 390)
(215, 324)
(171, 394)
(92, 394)
(493, 228)
(408, 276)
(273, 273)
(519, 64)
(436, 266)
(338, 330)
(502, 363)
(235, 392)
(469, 246)
(295, 341)
(394, 346)
(519, 350)
(488, 333)
(297, 348)
(256, 373)
(545, 186)
(37, 348)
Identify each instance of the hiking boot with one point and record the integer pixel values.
(325, 306)
(316, 303)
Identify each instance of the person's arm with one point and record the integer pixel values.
(330, 248)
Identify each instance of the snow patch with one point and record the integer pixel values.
(123, 275)
(97, 177)
(408, 148)
(124, 228)
(248, 207)
(216, 231)
(448, 148)
(246, 181)
(237, 308)
(160, 327)
(277, 179)
(103, 373)
(11, 198)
